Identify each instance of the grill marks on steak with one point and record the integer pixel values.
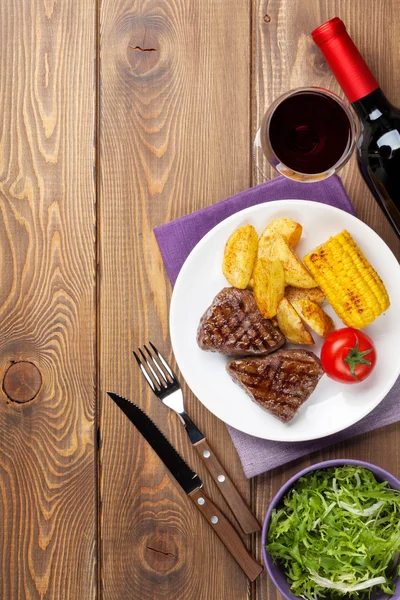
(279, 383)
(233, 325)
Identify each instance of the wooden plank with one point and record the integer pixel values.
(47, 300)
(175, 99)
(285, 58)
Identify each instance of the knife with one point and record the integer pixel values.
(191, 484)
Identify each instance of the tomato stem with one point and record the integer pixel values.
(355, 358)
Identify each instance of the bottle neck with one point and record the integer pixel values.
(372, 106)
(344, 59)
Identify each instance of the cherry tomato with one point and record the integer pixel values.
(348, 355)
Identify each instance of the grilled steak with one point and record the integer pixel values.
(279, 383)
(234, 325)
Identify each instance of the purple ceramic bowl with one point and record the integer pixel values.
(274, 571)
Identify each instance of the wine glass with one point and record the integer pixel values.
(307, 135)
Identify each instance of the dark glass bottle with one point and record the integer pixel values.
(378, 147)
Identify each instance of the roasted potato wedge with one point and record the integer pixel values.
(264, 245)
(314, 294)
(315, 317)
(240, 255)
(286, 227)
(295, 272)
(269, 286)
(291, 325)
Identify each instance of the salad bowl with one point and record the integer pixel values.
(275, 571)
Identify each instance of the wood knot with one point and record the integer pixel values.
(139, 49)
(267, 19)
(161, 553)
(22, 381)
(142, 58)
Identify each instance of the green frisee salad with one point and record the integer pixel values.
(337, 533)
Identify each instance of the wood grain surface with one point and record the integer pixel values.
(47, 300)
(135, 112)
(174, 137)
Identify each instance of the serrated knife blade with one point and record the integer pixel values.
(187, 479)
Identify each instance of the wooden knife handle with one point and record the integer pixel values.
(227, 534)
(241, 511)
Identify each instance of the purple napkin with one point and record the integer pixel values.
(178, 238)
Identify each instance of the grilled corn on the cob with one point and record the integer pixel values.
(351, 285)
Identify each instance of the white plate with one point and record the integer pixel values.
(333, 406)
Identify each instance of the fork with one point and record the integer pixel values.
(165, 385)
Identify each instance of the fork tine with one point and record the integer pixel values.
(146, 375)
(161, 384)
(155, 363)
(164, 362)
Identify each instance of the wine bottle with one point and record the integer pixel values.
(378, 147)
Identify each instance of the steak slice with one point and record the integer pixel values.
(279, 383)
(234, 325)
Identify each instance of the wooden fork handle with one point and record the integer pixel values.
(241, 511)
(227, 534)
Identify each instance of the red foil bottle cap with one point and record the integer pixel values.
(347, 64)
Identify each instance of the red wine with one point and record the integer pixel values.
(378, 148)
(309, 132)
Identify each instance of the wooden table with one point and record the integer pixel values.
(118, 116)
